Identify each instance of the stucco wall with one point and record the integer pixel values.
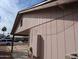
(58, 37)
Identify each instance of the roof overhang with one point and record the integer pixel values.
(20, 13)
(46, 4)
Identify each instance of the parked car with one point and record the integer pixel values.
(5, 41)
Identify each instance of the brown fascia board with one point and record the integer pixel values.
(44, 5)
(16, 23)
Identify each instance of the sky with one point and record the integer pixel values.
(9, 9)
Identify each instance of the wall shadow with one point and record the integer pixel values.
(40, 47)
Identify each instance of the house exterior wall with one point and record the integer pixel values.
(58, 37)
(53, 32)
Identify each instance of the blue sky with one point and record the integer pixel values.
(9, 9)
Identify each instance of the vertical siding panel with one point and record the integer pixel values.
(75, 27)
(60, 25)
(44, 29)
(76, 35)
(61, 40)
(54, 41)
(48, 47)
(53, 27)
(48, 41)
(68, 23)
(70, 45)
(45, 47)
(34, 45)
(68, 20)
(31, 37)
(44, 37)
(61, 46)
(34, 41)
(54, 47)
(40, 30)
(48, 29)
(69, 31)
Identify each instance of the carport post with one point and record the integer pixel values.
(12, 44)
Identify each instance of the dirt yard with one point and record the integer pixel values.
(19, 52)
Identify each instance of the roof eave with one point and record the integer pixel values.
(38, 7)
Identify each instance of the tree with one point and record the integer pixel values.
(4, 29)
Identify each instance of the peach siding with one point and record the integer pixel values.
(59, 36)
(41, 16)
(54, 39)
